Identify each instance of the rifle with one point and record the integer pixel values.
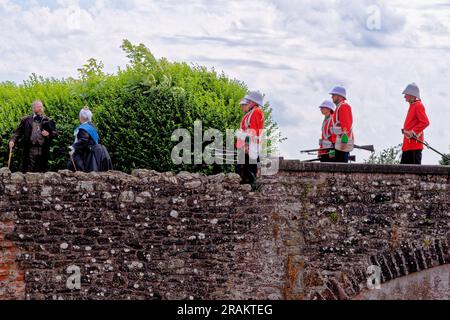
(366, 148)
(351, 159)
(426, 144)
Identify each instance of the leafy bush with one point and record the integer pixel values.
(388, 156)
(136, 109)
(445, 160)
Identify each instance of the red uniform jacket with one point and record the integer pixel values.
(327, 134)
(255, 126)
(345, 118)
(417, 121)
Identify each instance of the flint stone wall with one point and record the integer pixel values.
(310, 233)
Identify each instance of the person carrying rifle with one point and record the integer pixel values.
(342, 125)
(415, 124)
(249, 142)
(328, 140)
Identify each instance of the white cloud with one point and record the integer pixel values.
(293, 50)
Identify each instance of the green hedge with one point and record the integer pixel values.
(136, 109)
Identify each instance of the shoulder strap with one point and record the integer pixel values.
(326, 126)
(337, 113)
(249, 119)
(338, 122)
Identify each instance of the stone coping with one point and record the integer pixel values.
(284, 166)
(298, 166)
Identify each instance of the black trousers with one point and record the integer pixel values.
(35, 160)
(412, 157)
(326, 158)
(247, 171)
(342, 157)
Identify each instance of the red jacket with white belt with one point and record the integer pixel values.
(253, 126)
(327, 135)
(417, 121)
(344, 118)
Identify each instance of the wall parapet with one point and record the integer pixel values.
(310, 233)
(298, 166)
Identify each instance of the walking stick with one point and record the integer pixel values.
(73, 162)
(71, 159)
(10, 157)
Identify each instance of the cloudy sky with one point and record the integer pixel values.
(292, 50)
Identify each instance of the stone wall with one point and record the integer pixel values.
(147, 236)
(310, 233)
(347, 218)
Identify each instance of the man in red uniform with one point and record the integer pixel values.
(250, 136)
(342, 125)
(328, 137)
(415, 124)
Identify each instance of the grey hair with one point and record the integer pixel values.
(86, 114)
(37, 102)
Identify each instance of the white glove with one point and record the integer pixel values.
(71, 151)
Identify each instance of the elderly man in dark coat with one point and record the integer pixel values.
(36, 133)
